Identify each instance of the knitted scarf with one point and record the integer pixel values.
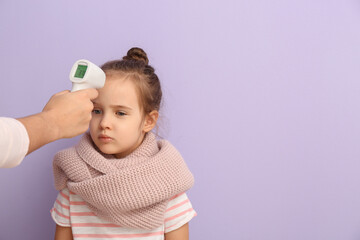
(132, 192)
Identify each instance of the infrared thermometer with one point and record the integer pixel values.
(85, 74)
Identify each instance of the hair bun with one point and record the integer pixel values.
(137, 54)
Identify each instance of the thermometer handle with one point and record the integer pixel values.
(79, 86)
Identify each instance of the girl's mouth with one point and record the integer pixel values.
(104, 138)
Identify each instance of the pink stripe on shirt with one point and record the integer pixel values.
(63, 223)
(118, 235)
(62, 205)
(178, 205)
(82, 214)
(65, 196)
(95, 225)
(60, 214)
(178, 223)
(178, 215)
(178, 195)
(77, 203)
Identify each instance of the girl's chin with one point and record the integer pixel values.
(107, 150)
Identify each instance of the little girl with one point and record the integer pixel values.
(119, 182)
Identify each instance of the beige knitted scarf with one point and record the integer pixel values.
(132, 192)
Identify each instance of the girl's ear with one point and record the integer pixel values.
(150, 121)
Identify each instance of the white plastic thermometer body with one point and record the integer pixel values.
(85, 74)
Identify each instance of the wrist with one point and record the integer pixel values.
(50, 122)
(42, 128)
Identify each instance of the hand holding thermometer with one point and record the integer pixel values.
(85, 74)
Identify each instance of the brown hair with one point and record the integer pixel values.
(135, 65)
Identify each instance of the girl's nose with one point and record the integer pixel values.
(105, 123)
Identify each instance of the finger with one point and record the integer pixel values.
(91, 93)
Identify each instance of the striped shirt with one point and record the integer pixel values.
(70, 210)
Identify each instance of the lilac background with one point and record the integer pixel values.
(261, 98)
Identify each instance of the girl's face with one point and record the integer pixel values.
(116, 126)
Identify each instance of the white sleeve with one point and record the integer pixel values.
(14, 142)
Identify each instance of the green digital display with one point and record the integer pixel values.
(80, 71)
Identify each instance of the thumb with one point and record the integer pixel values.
(61, 93)
(91, 93)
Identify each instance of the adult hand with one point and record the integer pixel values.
(70, 112)
(67, 114)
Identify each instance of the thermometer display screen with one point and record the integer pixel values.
(80, 71)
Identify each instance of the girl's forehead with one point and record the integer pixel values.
(118, 92)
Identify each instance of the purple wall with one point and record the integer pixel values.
(261, 98)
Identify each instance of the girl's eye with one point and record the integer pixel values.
(96, 111)
(120, 113)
